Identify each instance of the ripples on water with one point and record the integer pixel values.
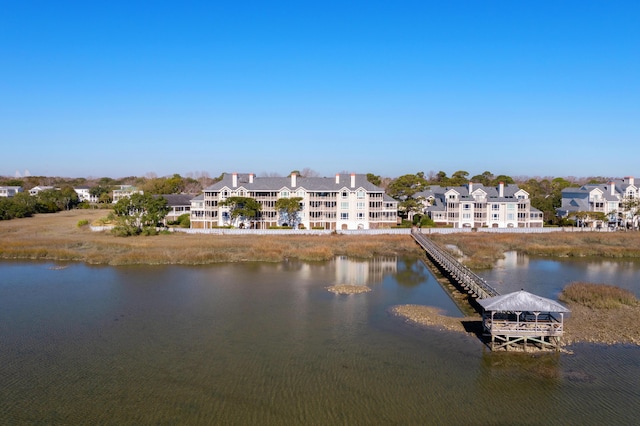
(267, 344)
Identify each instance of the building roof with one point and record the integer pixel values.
(521, 301)
(174, 200)
(492, 193)
(308, 183)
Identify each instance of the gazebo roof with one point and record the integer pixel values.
(521, 301)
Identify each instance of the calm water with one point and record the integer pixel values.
(547, 277)
(267, 344)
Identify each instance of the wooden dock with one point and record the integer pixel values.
(466, 280)
(520, 319)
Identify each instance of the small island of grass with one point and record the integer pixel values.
(348, 289)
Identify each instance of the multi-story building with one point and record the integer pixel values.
(84, 194)
(178, 204)
(125, 191)
(343, 202)
(612, 199)
(477, 206)
(9, 191)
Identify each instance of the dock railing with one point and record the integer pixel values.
(464, 276)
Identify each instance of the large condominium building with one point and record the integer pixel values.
(477, 206)
(343, 202)
(613, 199)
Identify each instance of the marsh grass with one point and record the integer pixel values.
(483, 249)
(57, 237)
(597, 296)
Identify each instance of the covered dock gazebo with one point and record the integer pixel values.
(518, 319)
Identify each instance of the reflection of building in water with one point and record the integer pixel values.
(354, 272)
(513, 259)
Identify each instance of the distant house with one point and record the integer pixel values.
(343, 202)
(125, 191)
(475, 206)
(607, 198)
(37, 189)
(9, 191)
(179, 204)
(85, 195)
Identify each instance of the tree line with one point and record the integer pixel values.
(47, 201)
(545, 193)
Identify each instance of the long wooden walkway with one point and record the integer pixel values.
(464, 277)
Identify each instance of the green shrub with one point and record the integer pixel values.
(184, 220)
(82, 222)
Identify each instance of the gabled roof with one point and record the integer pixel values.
(521, 301)
(307, 183)
(509, 192)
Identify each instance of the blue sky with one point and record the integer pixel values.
(120, 88)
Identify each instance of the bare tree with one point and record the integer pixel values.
(307, 172)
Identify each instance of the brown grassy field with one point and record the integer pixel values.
(482, 250)
(58, 237)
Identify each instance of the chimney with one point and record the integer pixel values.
(353, 180)
(234, 180)
(250, 177)
(293, 180)
(631, 180)
(337, 177)
(501, 189)
(612, 188)
(470, 187)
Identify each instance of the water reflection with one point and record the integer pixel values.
(547, 277)
(361, 272)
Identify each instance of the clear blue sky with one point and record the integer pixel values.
(119, 88)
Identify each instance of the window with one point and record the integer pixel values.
(284, 194)
(360, 216)
(510, 216)
(344, 205)
(345, 194)
(344, 215)
(360, 205)
(466, 206)
(360, 194)
(495, 216)
(466, 215)
(495, 206)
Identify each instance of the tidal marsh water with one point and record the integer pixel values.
(267, 344)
